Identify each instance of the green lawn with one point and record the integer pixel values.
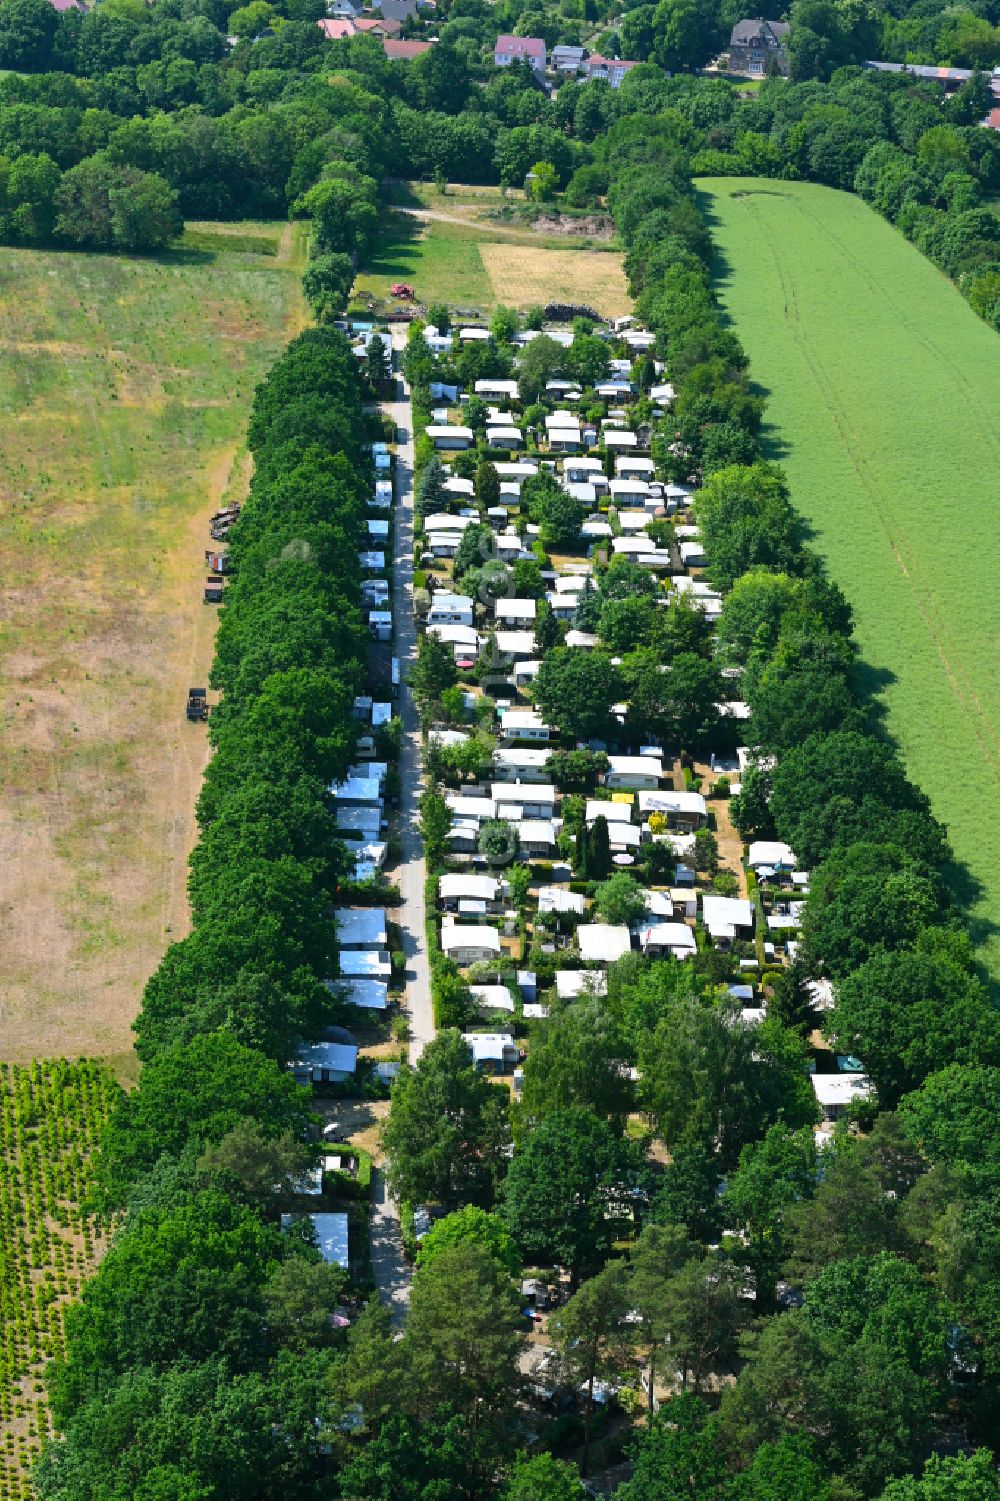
(884, 405)
(477, 264)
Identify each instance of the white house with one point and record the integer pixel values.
(727, 917)
(628, 490)
(512, 764)
(515, 611)
(520, 49)
(464, 639)
(446, 436)
(661, 938)
(603, 943)
(450, 609)
(834, 1092)
(560, 899)
(462, 886)
(468, 808)
(519, 645)
(573, 983)
(619, 438)
(564, 439)
(494, 997)
(611, 811)
(634, 771)
(523, 724)
(770, 854)
(537, 837)
(357, 792)
(492, 389)
(469, 945)
(504, 436)
(534, 799)
(362, 823)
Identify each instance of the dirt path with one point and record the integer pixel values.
(491, 227)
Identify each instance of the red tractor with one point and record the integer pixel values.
(402, 289)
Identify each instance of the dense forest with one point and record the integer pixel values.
(855, 1289)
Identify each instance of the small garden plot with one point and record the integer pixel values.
(52, 1115)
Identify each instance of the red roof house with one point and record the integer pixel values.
(520, 49)
(404, 52)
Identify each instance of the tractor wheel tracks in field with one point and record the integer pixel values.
(923, 597)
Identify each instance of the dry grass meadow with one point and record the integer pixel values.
(447, 249)
(524, 274)
(124, 388)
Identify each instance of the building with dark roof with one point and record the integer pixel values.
(758, 47)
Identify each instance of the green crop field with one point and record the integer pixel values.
(124, 390)
(884, 406)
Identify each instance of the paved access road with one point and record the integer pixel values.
(390, 1269)
(413, 872)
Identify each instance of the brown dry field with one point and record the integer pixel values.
(522, 275)
(124, 389)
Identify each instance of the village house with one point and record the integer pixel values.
(358, 822)
(504, 436)
(364, 964)
(758, 47)
(520, 49)
(369, 995)
(515, 612)
(568, 60)
(560, 899)
(518, 645)
(611, 69)
(536, 838)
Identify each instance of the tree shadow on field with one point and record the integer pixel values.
(966, 888)
(396, 253)
(774, 446)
